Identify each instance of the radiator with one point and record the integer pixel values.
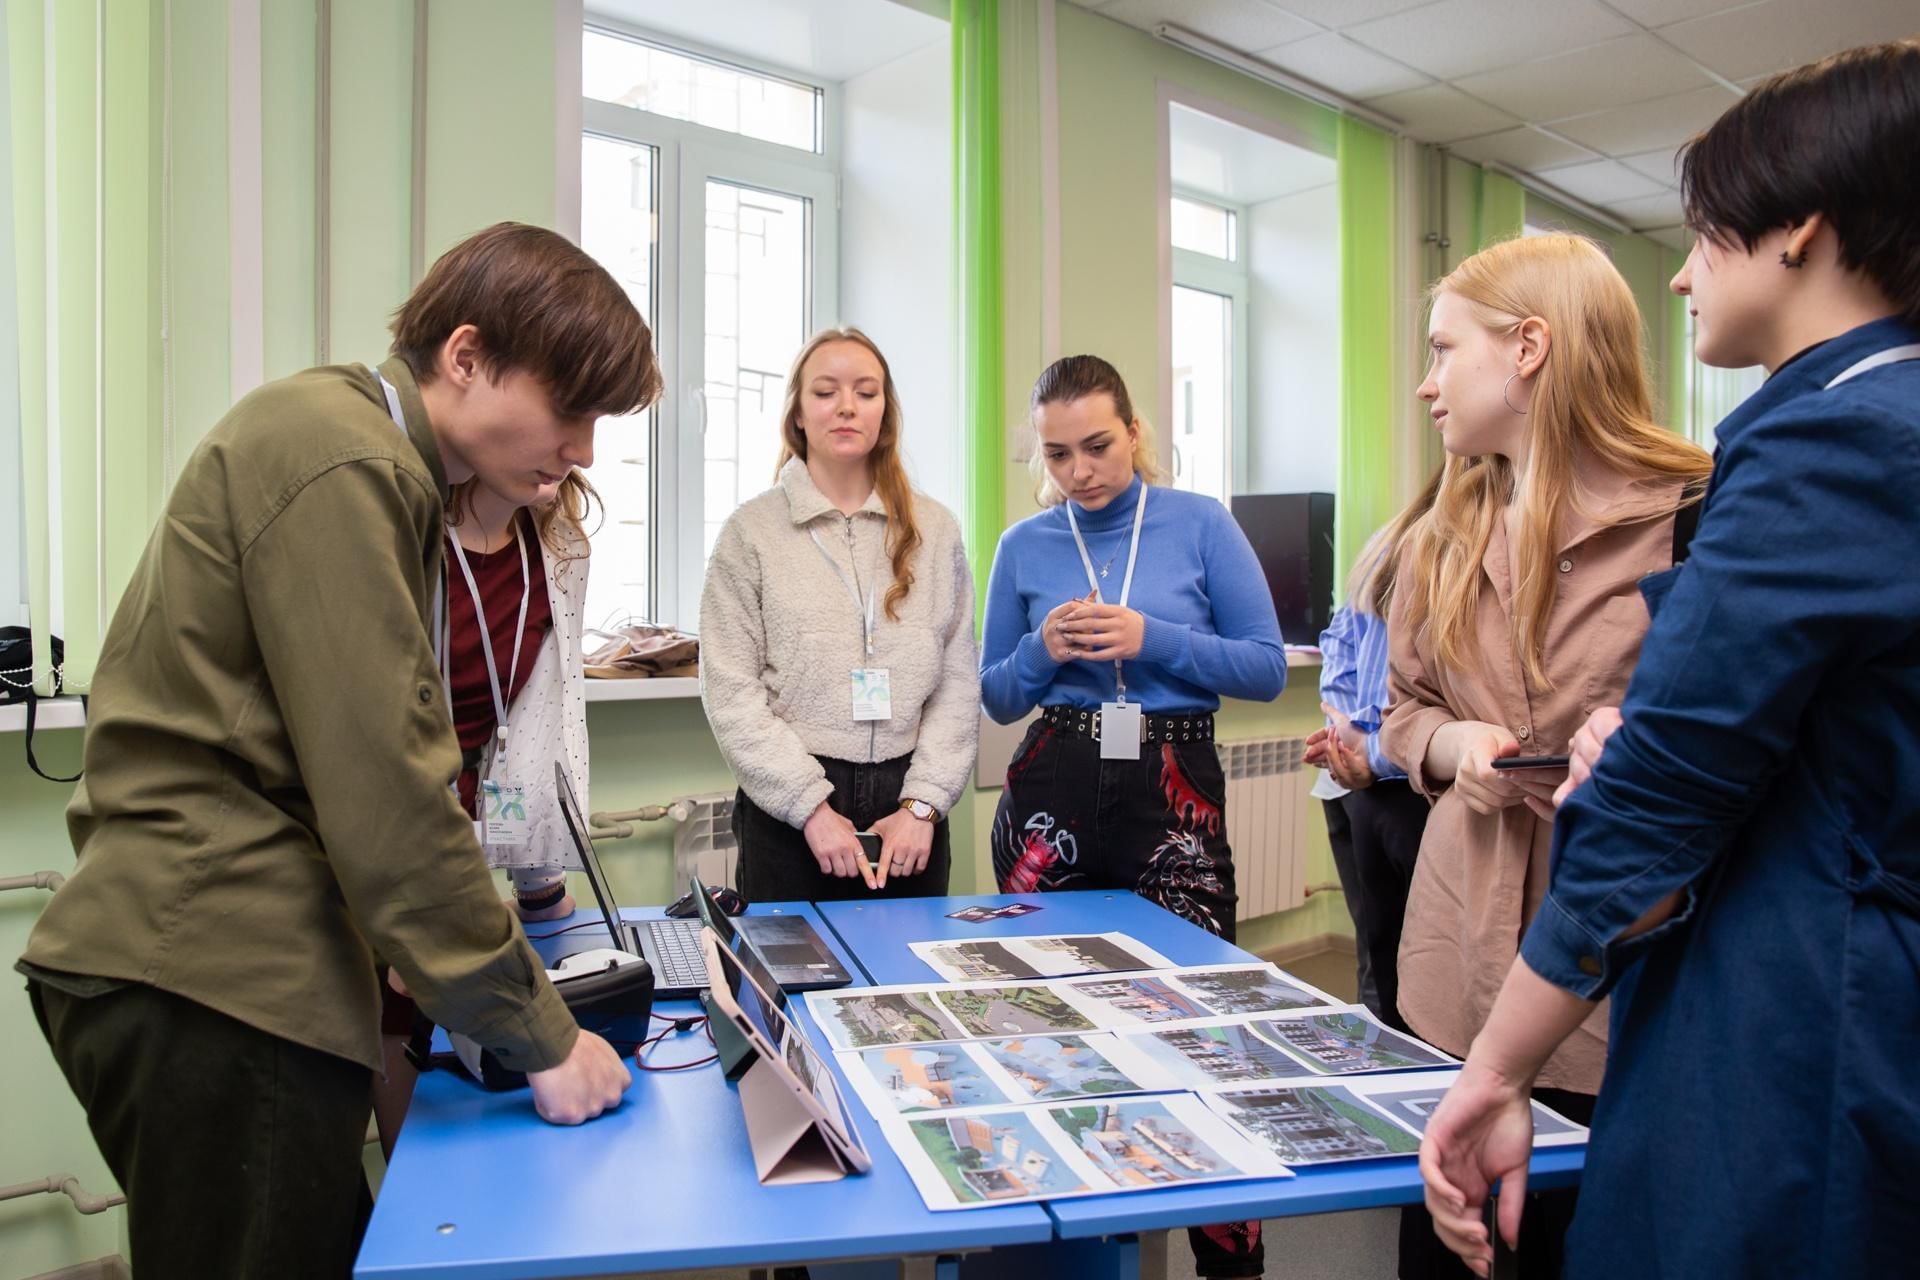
(1269, 807)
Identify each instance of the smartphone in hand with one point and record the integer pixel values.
(869, 847)
(1513, 764)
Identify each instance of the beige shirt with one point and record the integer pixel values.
(1481, 877)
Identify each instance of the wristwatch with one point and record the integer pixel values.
(921, 810)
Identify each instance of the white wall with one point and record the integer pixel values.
(1293, 323)
(896, 236)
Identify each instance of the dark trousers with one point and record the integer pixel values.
(239, 1152)
(1543, 1223)
(1156, 826)
(1375, 833)
(777, 866)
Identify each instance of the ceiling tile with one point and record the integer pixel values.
(1347, 13)
(1608, 75)
(1603, 182)
(1245, 25)
(1645, 126)
(1661, 165)
(1441, 113)
(1343, 66)
(1659, 13)
(1779, 34)
(1454, 38)
(1678, 239)
(1528, 150)
(1661, 210)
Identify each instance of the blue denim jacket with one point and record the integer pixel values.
(1761, 1111)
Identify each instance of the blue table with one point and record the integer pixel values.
(878, 933)
(480, 1188)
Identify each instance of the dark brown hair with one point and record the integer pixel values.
(1839, 137)
(889, 472)
(544, 308)
(1073, 378)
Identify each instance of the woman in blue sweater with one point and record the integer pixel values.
(1126, 611)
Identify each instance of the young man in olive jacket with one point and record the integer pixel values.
(266, 805)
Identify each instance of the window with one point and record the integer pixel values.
(708, 191)
(629, 72)
(1205, 228)
(1209, 318)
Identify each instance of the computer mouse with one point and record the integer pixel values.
(729, 902)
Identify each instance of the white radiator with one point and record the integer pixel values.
(1269, 807)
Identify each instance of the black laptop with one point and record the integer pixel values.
(787, 946)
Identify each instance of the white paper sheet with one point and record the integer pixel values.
(1036, 957)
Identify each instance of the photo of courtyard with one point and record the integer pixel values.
(1141, 1144)
(930, 1077)
(1004, 1011)
(1054, 1067)
(901, 1017)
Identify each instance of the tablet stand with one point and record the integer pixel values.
(786, 1141)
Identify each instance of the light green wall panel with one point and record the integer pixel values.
(287, 116)
(369, 187)
(490, 118)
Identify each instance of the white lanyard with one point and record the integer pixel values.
(864, 610)
(1126, 583)
(441, 623)
(486, 640)
(1892, 355)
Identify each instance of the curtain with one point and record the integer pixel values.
(976, 219)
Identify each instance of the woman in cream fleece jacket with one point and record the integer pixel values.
(837, 655)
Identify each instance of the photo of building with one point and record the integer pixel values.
(1318, 1126)
(1148, 999)
(1254, 989)
(981, 962)
(1141, 1144)
(1086, 953)
(994, 1156)
(1217, 1055)
(1344, 1043)
(903, 1017)
(1053, 1067)
(930, 1077)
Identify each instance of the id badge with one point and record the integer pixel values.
(1120, 731)
(872, 693)
(503, 809)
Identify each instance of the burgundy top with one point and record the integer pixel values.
(497, 574)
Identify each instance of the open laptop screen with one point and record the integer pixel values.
(583, 845)
(740, 947)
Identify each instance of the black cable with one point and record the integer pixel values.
(674, 1027)
(584, 924)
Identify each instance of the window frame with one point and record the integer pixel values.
(1208, 274)
(686, 155)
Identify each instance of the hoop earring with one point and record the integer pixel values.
(1793, 264)
(1503, 394)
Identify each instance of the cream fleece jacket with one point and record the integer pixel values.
(780, 637)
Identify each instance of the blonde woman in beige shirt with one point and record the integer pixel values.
(1517, 610)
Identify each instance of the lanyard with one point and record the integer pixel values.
(441, 623)
(486, 639)
(1892, 355)
(1126, 583)
(864, 610)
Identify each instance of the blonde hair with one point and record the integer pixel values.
(1592, 393)
(889, 472)
(1073, 378)
(1370, 584)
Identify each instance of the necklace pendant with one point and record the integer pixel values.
(1103, 572)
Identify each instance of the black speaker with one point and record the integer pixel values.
(1292, 534)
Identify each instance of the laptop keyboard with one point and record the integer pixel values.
(677, 944)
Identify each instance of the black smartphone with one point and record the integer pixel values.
(869, 847)
(1510, 763)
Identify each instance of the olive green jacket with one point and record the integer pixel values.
(266, 803)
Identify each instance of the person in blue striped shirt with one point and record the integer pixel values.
(1374, 818)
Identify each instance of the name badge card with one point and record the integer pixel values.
(503, 808)
(1120, 727)
(872, 693)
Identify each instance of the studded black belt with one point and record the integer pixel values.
(1179, 728)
